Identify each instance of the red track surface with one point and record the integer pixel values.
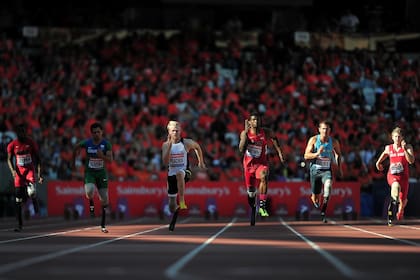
(224, 249)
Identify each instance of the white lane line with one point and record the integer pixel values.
(45, 235)
(410, 227)
(31, 261)
(383, 235)
(172, 271)
(339, 265)
(60, 232)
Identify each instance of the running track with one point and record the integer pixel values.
(276, 248)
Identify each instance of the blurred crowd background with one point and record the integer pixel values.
(134, 82)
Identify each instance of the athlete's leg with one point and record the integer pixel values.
(90, 191)
(180, 180)
(32, 193)
(263, 187)
(394, 201)
(104, 198)
(327, 183)
(316, 186)
(19, 199)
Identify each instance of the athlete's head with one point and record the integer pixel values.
(254, 119)
(174, 129)
(324, 128)
(397, 135)
(21, 132)
(96, 130)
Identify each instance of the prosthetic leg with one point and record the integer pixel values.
(393, 205)
(327, 191)
(19, 214)
(103, 228)
(252, 193)
(392, 209)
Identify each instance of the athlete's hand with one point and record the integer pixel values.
(100, 153)
(403, 144)
(247, 125)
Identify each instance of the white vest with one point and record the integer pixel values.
(178, 159)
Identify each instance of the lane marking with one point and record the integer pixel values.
(339, 265)
(408, 242)
(31, 261)
(172, 271)
(62, 232)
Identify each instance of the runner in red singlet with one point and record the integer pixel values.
(22, 156)
(253, 144)
(400, 155)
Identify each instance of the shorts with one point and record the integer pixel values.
(402, 180)
(99, 178)
(24, 176)
(173, 184)
(318, 178)
(252, 174)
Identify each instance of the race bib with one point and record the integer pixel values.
(323, 163)
(176, 160)
(96, 163)
(254, 151)
(396, 168)
(22, 160)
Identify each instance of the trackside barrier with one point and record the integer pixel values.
(134, 199)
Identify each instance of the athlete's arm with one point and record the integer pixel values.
(381, 158)
(308, 150)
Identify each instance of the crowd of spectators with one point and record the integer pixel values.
(135, 84)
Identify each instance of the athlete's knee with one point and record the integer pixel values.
(89, 190)
(31, 189)
(395, 191)
(252, 192)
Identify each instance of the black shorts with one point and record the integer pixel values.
(172, 183)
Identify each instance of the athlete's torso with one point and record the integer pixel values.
(24, 152)
(256, 149)
(398, 164)
(178, 158)
(93, 162)
(326, 158)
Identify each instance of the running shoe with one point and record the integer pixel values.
(315, 202)
(182, 205)
(263, 212)
(323, 217)
(18, 229)
(104, 230)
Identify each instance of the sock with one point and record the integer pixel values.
(263, 199)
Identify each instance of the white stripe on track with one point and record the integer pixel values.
(31, 261)
(172, 271)
(339, 265)
(383, 235)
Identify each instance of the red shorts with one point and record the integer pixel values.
(402, 179)
(24, 176)
(253, 174)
